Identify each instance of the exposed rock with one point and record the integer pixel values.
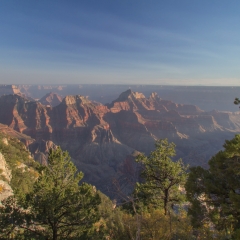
(12, 89)
(9, 89)
(5, 190)
(5, 141)
(51, 99)
(40, 150)
(4, 171)
(12, 133)
(100, 137)
(5, 178)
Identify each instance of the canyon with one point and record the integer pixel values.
(103, 139)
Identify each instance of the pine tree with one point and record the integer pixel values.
(236, 101)
(61, 206)
(162, 176)
(215, 193)
(58, 207)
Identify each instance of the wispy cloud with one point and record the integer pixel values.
(130, 43)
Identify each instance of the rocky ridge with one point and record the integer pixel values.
(51, 99)
(100, 137)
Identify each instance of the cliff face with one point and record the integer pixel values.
(27, 140)
(40, 149)
(101, 136)
(9, 89)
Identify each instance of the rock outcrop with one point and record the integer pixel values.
(5, 178)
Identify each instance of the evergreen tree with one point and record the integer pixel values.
(58, 207)
(162, 176)
(237, 101)
(215, 193)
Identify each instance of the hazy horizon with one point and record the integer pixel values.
(122, 84)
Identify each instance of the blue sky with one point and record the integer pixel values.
(120, 42)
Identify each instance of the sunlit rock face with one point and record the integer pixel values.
(5, 172)
(100, 137)
(5, 178)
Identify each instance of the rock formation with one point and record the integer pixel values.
(12, 89)
(5, 178)
(27, 140)
(99, 137)
(9, 89)
(40, 149)
(51, 99)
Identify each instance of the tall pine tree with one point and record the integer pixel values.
(58, 207)
(214, 193)
(162, 177)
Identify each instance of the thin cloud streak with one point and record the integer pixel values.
(134, 42)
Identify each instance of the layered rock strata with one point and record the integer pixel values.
(99, 137)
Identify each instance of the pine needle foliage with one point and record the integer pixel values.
(162, 177)
(62, 207)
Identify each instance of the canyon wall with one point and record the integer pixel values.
(100, 138)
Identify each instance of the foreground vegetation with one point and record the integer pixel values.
(170, 202)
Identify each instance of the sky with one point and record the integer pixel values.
(163, 42)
